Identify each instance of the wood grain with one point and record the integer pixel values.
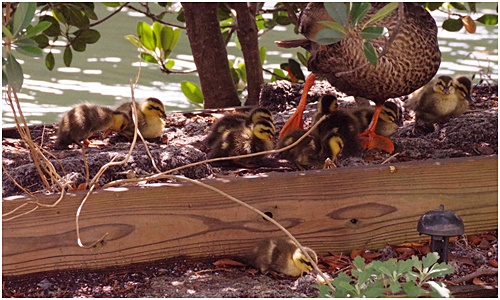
(329, 211)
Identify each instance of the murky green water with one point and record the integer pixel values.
(103, 72)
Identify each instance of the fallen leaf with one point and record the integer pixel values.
(355, 252)
(493, 263)
(228, 262)
(478, 281)
(412, 245)
(424, 250)
(370, 255)
(465, 260)
(404, 250)
(484, 244)
(81, 187)
(474, 239)
(489, 237)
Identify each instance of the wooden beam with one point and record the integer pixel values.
(328, 210)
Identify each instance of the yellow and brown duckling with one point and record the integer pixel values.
(237, 120)
(282, 256)
(305, 154)
(242, 140)
(150, 114)
(83, 120)
(390, 119)
(440, 99)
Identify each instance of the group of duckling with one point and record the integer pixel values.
(84, 120)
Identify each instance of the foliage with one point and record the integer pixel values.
(381, 279)
(457, 21)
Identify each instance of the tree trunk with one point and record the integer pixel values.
(210, 55)
(248, 36)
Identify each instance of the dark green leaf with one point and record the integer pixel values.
(50, 61)
(262, 54)
(88, 8)
(32, 51)
(328, 36)
(382, 13)
(334, 26)
(42, 40)
(283, 21)
(26, 42)
(58, 15)
(358, 11)
(148, 58)
(472, 6)
(88, 36)
(452, 25)
(54, 29)
(192, 92)
(488, 19)
(278, 72)
(68, 56)
(338, 11)
(434, 5)
(37, 28)
(146, 36)
(371, 32)
(458, 5)
(412, 290)
(14, 72)
(180, 16)
(370, 53)
(234, 75)
(111, 4)
(295, 68)
(23, 16)
(79, 46)
(303, 60)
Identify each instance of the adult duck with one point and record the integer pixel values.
(408, 59)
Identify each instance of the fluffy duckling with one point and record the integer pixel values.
(463, 89)
(390, 119)
(82, 121)
(338, 134)
(326, 105)
(237, 120)
(281, 255)
(244, 140)
(149, 117)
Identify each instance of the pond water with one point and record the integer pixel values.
(102, 74)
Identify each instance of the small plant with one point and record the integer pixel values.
(381, 279)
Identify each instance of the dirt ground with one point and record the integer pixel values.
(473, 134)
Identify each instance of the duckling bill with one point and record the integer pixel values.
(282, 256)
(150, 114)
(83, 120)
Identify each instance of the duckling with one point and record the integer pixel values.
(237, 120)
(78, 124)
(390, 119)
(338, 134)
(244, 140)
(283, 256)
(149, 117)
(439, 100)
(326, 105)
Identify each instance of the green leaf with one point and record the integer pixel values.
(68, 56)
(22, 17)
(192, 92)
(166, 36)
(370, 53)
(42, 40)
(88, 9)
(358, 11)
(328, 37)
(50, 61)
(488, 19)
(58, 15)
(458, 5)
(134, 40)
(278, 72)
(79, 46)
(375, 290)
(334, 26)
(5, 81)
(32, 51)
(440, 270)
(37, 28)
(75, 16)
(412, 290)
(262, 54)
(157, 28)
(404, 266)
(169, 64)
(452, 25)
(148, 58)
(433, 5)
(54, 29)
(338, 11)
(359, 262)
(324, 290)
(395, 287)
(146, 36)
(430, 259)
(7, 33)
(382, 13)
(303, 60)
(371, 32)
(88, 36)
(14, 72)
(111, 4)
(26, 42)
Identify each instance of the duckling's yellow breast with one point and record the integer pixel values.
(152, 128)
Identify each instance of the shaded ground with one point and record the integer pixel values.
(473, 134)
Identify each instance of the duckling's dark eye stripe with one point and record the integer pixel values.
(155, 108)
(305, 262)
(267, 131)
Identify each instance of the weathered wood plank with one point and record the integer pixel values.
(328, 210)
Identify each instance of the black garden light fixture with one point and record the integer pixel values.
(440, 224)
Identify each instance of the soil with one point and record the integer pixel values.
(472, 134)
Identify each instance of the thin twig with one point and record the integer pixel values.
(479, 272)
(390, 158)
(77, 221)
(110, 15)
